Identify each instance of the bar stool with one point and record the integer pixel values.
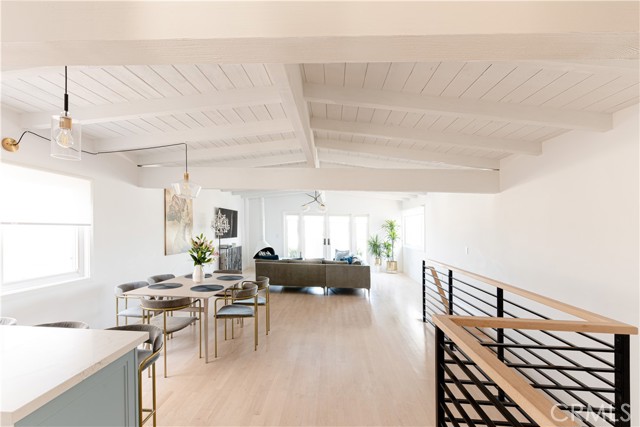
(146, 358)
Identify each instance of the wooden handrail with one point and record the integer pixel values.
(545, 325)
(593, 320)
(535, 404)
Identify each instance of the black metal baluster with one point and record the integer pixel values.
(424, 291)
(450, 293)
(500, 331)
(440, 402)
(622, 381)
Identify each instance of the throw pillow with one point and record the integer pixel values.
(340, 255)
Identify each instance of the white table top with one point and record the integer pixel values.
(187, 284)
(38, 364)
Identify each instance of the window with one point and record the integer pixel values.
(45, 228)
(413, 228)
(318, 236)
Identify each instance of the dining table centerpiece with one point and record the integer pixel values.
(201, 253)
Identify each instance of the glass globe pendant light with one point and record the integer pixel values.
(66, 136)
(185, 188)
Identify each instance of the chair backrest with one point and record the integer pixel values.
(245, 290)
(262, 282)
(165, 304)
(160, 278)
(66, 324)
(155, 334)
(119, 290)
(8, 321)
(228, 271)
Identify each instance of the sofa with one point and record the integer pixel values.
(314, 272)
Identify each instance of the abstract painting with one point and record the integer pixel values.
(178, 223)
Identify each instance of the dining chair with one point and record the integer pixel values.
(8, 321)
(244, 291)
(160, 278)
(146, 359)
(172, 324)
(136, 310)
(66, 324)
(263, 285)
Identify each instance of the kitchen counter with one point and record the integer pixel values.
(39, 364)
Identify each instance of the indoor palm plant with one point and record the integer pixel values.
(201, 253)
(374, 246)
(392, 231)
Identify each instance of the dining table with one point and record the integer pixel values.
(170, 289)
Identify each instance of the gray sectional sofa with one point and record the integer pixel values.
(315, 272)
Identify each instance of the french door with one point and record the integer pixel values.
(320, 235)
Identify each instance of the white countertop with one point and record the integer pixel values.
(38, 364)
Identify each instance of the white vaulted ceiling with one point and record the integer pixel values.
(454, 115)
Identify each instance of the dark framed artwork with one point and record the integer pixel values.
(232, 217)
(178, 223)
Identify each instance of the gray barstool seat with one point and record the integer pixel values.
(66, 324)
(146, 358)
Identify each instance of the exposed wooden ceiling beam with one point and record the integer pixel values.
(267, 127)
(369, 162)
(161, 106)
(259, 162)
(458, 107)
(340, 179)
(422, 136)
(410, 154)
(288, 78)
(220, 152)
(125, 33)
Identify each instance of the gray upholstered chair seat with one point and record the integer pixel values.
(135, 311)
(174, 324)
(67, 324)
(261, 301)
(234, 310)
(143, 357)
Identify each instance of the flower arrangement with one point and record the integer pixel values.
(202, 250)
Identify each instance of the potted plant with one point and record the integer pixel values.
(201, 253)
(391, 229)
(374, 245)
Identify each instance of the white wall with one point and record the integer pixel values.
(565, 225)
(338, 203)
(127, 241)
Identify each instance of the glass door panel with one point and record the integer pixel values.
(314, 226)
(292, 242)
(339, 234)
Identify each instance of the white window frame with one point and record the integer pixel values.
(326, 215)
(84, 232)
(417, 211)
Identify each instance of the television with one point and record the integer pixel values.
(232, 217)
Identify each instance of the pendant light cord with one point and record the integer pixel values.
(66, 95)
(95, 153)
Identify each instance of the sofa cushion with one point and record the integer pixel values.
(340, 255)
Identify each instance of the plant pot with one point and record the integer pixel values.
(378, 261)
(198, 275)
(392, 266)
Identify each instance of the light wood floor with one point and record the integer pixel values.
(343, 359)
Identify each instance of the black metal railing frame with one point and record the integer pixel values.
(586, 403)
